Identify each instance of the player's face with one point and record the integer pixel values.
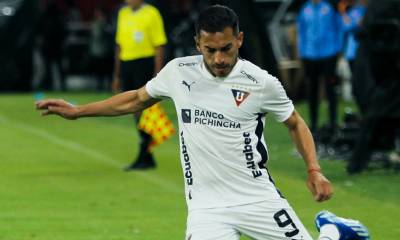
(220, 50)
(134, 3)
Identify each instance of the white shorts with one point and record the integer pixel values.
(261, 221)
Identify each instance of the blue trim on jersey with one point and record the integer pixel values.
(260, 146)
(263, 150)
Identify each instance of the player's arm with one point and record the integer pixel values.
(120, 104)
(317, 183)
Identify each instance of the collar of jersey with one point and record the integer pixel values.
(208, 75)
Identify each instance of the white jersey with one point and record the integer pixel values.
(221, 123)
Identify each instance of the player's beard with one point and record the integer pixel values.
(221, 70)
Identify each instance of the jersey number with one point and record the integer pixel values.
(283, 220)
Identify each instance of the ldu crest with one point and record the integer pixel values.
(239, 96)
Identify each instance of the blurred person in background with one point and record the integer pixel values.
(100, 49)
(352, 15)
(52, 34)
(376, 85)
(319, 42)
(139, 56)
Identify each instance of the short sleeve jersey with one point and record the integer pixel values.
(139, 32)
(221, 122)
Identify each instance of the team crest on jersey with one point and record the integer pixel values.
(239, 96)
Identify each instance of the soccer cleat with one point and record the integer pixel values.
(349, 229)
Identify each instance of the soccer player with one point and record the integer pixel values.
(221, 101)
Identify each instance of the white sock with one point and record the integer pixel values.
(329, 232)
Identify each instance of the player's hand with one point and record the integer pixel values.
(58, 107)
(319, 186)
(116, 85)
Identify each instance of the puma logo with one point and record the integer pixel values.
(187, 84)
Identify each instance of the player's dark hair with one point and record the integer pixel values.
(215, 19)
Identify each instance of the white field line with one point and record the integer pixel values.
(92, 153)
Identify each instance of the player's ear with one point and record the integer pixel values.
(197, 41)
(239, 39)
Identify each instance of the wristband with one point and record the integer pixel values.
(313, 170)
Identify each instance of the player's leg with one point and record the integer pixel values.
(331, 86)
(312, 76)
(210, 224)
(270, 220)
(329, 232)
(332, 227)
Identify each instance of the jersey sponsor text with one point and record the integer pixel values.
(204, 117)
(249, 155)
(186, 158)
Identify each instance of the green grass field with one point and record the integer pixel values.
(64, 180)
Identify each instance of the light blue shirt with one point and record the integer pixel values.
(319, 31)
(351, 44)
